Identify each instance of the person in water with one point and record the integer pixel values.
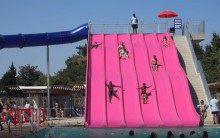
(144, 92)
(111, 91)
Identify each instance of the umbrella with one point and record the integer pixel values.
(167, 14)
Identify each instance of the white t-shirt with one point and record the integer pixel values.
(134, 20)
(27, 105)
(213, 105)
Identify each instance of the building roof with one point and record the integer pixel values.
(56, 89)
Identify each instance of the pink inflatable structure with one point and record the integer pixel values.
(169, 101)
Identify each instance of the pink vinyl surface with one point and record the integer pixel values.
(115, 110)
(151, 114)
(165, 101)
(133, 113)
(185, 109)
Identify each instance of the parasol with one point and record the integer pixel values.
(167, 14)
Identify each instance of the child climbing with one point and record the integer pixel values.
(111, 91)
(144, 92)
(95, 45)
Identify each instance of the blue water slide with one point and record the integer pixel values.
(44, 39)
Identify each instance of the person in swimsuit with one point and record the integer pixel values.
(154, 63)
(94, 45)
(144, 93)
(7, 115)
(202, 107)
(165, 43)
(111, 91)
(123, 53)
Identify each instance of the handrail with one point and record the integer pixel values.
(189, 38)
(204, 82)
(196, 62)
(126, 28)
(196, 26)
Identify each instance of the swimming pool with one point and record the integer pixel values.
(67, 132)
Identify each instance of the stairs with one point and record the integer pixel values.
(197, 83)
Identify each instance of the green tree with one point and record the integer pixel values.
(61, 78)
(9, 78)
(210, 59)
(41, 81)
(27, 75)
(75, 69)
(82, 50)
(199, 51)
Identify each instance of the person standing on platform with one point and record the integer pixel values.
(134, 23)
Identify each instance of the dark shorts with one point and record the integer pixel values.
(215, 112)
(110, 93)
(134, 26)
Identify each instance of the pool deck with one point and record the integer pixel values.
(17, 132)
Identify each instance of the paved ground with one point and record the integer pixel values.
(17, 132)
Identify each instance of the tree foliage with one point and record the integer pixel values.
(9, 78)
(210, 58)
(27, 75)
(41, 81)
(75, 69)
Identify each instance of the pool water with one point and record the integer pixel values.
(67, 132)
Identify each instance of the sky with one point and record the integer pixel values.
(40, 16)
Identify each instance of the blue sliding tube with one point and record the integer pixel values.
(44, 39)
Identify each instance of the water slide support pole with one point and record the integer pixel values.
(48, 83)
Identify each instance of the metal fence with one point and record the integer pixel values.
(187, 31)
(126, 28)
(195, 27)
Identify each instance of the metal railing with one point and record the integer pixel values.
(204, 82)
(186, 31)
(126, 28)
(67, 112)
(189, 38)
(195, 27)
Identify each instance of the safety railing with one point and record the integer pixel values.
(66, 112)
(126, 28)
(204, 82)
(189, 38)
(186, 31)
(19, 116)
(196, 26)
